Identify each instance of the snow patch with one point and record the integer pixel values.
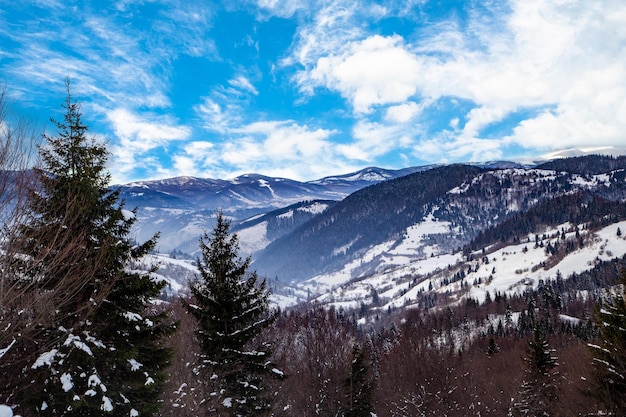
(315, 208)
(287, 215)
(66, 380)
(5, 411)
(78, 343)
(149, 380)
(107, 405)
(134, 365)
(130, 316)
(6, 349)
(254, 238)
(128, 215)
(45, 358)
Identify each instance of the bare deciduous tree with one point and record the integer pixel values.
(18, 141)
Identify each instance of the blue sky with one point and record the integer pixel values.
(305, 89)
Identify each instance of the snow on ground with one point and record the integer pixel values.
(509, 270)
(592, 181)
(264, 183)
(410, 246)
(5, 411)
(398, 271)
(393, 261)
(252, 239)
(315, 208)
(186, 266)
(514, 267)
(283, 301)
(286, 215)
(336, 289)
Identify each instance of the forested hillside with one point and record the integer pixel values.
(362, 219)
(460, 202)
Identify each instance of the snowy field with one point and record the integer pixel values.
(510, 270)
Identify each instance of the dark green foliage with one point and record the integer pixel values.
(539, 392)
(103, 344)
(578, 208)
(610, 352)
(492, 347)
(232, 308)
(389, 207)
(358, 388)
(586, 165)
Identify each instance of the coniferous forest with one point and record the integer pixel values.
(86, 332)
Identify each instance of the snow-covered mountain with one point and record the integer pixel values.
(574, 152)
(257, 232)
(458, 201)
(451, 231)
(181, 208)
(510, 268)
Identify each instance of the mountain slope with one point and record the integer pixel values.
(181, 208)
(427, 234)
(565, 237)
(506, 269)
(586, 165)
(363, 219)
(259, 231)
(381, 223)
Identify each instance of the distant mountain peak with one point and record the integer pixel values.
(369, 175)
(573, 152)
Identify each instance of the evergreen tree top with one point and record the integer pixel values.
(71, 154)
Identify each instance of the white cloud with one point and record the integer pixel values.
(146, 134)
(196, 158)
(334, 23)
(215, 116)
(136, 137)
(377, 70)
(403, 113)
(278, 143)
(567, 56)
(280, 8)
(446, 148)
(185, 29)
(373, 140)
(242, 83)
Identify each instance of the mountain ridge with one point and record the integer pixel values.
(396, 237)
(462, 210)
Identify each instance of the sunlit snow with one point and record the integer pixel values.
(5, 411)
(511, 269)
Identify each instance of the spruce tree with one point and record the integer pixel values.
(358, 388)
(539, 393)
(610, 352)
(101, 352)
(231, 308)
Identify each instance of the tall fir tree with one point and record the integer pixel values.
(358, 388)
(231, 308)
(539, 392)
(610, 352)
(102, 351)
